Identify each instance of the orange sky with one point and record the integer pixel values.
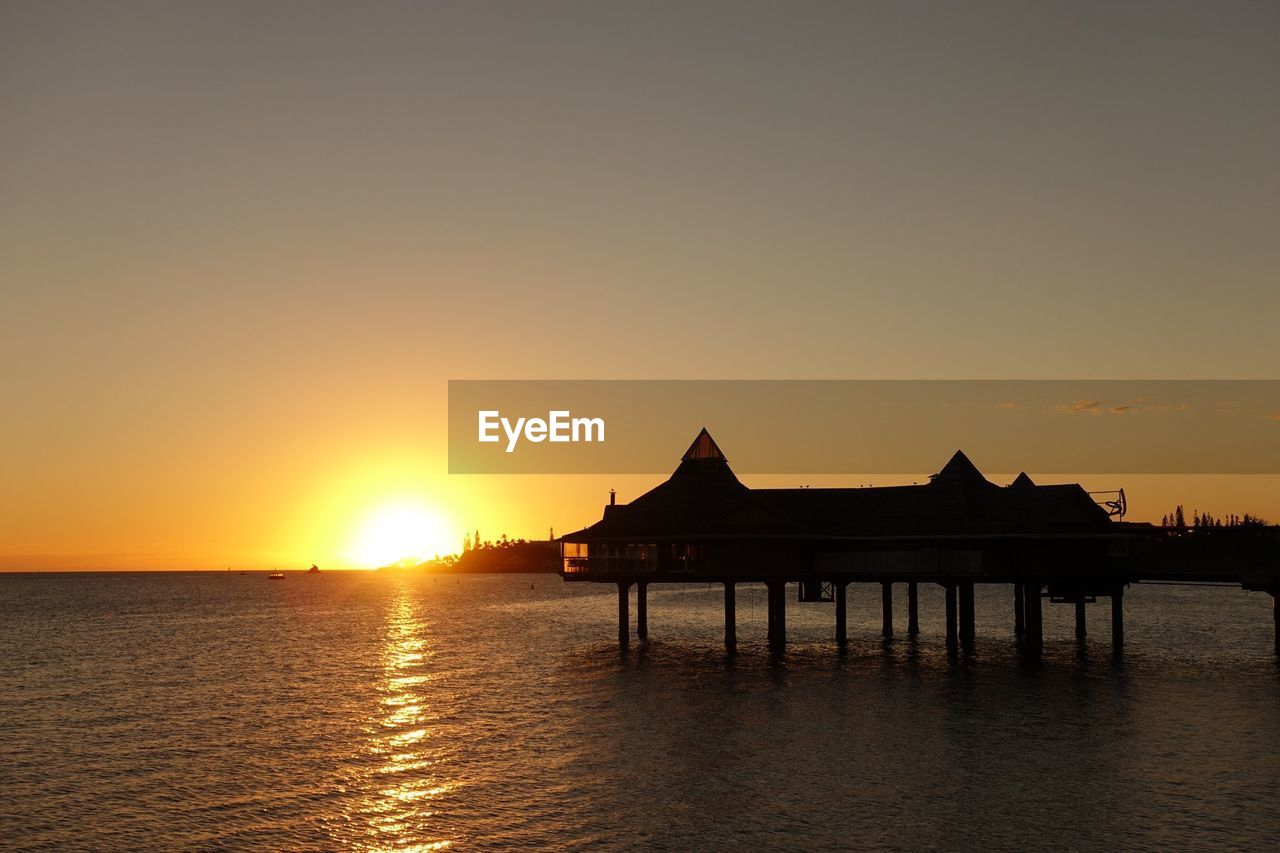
(243, 247)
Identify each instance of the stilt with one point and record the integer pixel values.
(781, 637)
(772, 608)
(730, 616)
(642, 610)
(968, 631)
(1019, 612)
(842, 636)
(952, 640)
(1275, 617)
(1117, 619)
(913, 609)
(886, 608)
(624, 633)
(1080, 626)
(769, 616)
(777, 616)
(1035, 619)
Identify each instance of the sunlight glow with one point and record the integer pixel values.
(398, 532)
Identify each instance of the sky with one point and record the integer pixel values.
(244, 246)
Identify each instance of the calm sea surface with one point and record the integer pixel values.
(405, 711)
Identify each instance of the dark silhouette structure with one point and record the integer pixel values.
(1048, 541)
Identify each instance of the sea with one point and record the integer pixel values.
(410, 711)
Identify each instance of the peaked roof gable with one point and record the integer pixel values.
(702, 488)
(959, 471)
(703, 447)
(703, 497)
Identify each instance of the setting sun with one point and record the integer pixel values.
(399, 531)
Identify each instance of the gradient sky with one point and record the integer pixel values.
(244, 245)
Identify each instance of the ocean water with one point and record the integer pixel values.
(415, 712)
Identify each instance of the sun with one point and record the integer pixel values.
(399, 531)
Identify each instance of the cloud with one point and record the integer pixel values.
(1008, 405)
(1275, 417)
(1096, 407)
(1091, 407)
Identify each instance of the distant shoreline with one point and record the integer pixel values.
(424, 568)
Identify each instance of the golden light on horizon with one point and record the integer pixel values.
(399, 530)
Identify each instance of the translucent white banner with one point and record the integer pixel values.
(867, 426)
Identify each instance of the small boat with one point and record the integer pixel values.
(276, 576)
(313, 570)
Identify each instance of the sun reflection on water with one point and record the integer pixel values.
(399, 808)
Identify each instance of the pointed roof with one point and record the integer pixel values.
(702, 488)
(703, 498)
(703, 447)
(960, 471)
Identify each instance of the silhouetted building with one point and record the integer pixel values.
(1049, 542)
(703, 522)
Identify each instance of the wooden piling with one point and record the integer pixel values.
(642, 611)
(1081, 631)
(769, 614)
(886, 608)
(1117, 619)
(968, 630)
(1275, 617)
(952, 638)
(1019, 611)
(1034, 643)
(780, 637)
(777, 616)
(730, 616)
(624, 633)
(913, 609)
(842, 636)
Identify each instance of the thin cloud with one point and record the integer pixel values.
(1097, 407)
(1275, 417)
(1075, 407)
(1008, 405)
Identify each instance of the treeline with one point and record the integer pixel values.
(1178, 520)
(504, 555)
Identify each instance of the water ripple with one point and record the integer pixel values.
(377, 712)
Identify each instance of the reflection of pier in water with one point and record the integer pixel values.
(1051, 542)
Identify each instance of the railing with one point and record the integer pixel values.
(686, 565)
(608, 565)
